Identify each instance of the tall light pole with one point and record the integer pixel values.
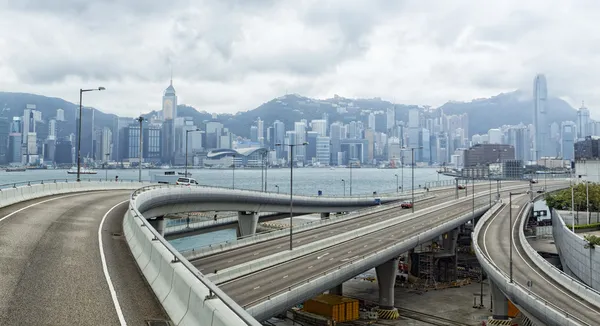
(186, 149)
(81, 91)
(344, 181)
(291, 146)
(397, 189)
(266, 159)
(141, 119)
(413, 179)
(277, 186)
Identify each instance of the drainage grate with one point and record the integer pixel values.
(156, 322)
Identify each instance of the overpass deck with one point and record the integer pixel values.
(50, 263)
(243, 254)
(495, 243)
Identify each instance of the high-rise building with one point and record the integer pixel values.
(320, 126)
(60, 115)
(323, 150)
(495, 136)
(300, 151)
(52, 129)
(540, 121)
(583, 123)
(106, 144)
(169, 113)
(254, 133)
(4, 132)
(371, 124)
(390, 118)
(567, 140)
(311, 147)
(279, 138)
(260, 131)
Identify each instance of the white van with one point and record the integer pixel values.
(186, 182)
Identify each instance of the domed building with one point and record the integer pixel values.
(243, 157)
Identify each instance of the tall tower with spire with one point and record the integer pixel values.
(169, 113)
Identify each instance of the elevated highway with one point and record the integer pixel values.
(546, 295)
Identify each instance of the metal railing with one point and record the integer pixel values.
(178, 258)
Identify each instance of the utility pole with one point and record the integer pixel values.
(141, 119)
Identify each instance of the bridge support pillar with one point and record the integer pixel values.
(500, 303)
(247, 221)
(337, 290)
(386, 278)
(325, 216)
(160, 225)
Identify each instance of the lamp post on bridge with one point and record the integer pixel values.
(397, 188)
(141, 120)
(291, 146)
(233, 172)
(277, 186)
(81, 91)
(344, 181)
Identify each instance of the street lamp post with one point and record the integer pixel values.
(266, 160)
(186, 149)
(277, 186)
(291, 146)
(413, 179)
(140, 119)
(397, 188)
(344, 181)
(81, 91)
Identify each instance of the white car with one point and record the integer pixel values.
(186, 182)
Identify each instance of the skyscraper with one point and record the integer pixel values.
(169, 113)
(583, 122)
(540, 120)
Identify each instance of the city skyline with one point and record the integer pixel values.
(358, 49)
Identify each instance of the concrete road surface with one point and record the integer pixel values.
(51, 272)
(495, 243)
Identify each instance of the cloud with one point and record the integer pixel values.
(233, 55)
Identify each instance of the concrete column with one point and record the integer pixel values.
(325, 216)
(160, 225)
(500, 303)
(386, 278)
(247, 222)
(337, 290)
(449, 241)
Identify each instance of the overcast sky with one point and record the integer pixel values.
(233, 55)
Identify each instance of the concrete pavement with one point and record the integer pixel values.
(495, 243)
(50, 266)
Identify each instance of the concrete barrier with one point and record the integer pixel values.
(10, 196)
(582, 290)
(536, 308)
(581, 262)
(186, 295)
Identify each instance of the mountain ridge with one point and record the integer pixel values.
(484, 113)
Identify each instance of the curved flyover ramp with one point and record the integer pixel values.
(544, 294)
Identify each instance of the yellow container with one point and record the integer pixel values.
(338, 308)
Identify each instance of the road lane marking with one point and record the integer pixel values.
(285, 276)
(331, 258)
(364, 246)
(309, 267)
(323, 255)
(35, 204)
(230, 261)
(111, 288)
(279, 247)
(256, 288)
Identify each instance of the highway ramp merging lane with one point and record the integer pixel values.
(51, 269)
(494, 241)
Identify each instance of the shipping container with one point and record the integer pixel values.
(336, 307)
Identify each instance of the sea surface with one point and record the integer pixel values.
(307, 181)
